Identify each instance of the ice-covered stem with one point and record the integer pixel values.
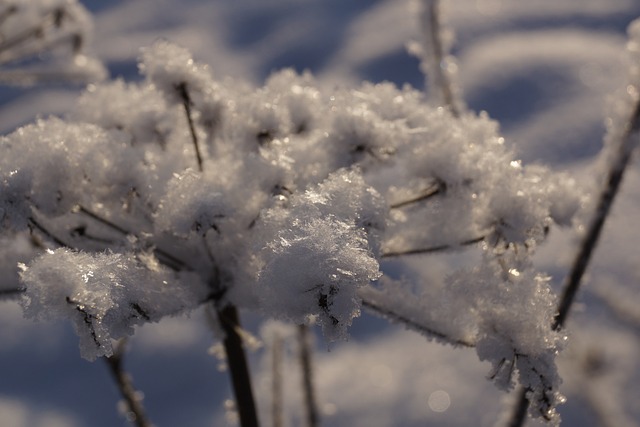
(35, 224)
(229, 320)
(276, 381)
(625, 144)
(163, 256)
(392, 315)
(30, 28)
(431, 249)
(7, 12)
(311, 409)
(438, 187)
(605, 201)
(53, 18)
(186, 102)
(9, 293)
(519, 415)
(125, 386)
(434, 61)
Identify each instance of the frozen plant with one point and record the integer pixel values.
(46, 41)
(150, 199)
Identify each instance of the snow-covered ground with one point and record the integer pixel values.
(543, 68)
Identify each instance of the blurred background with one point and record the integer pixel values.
(544, 69)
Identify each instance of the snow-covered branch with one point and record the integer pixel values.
(36, 29)
(283, 200)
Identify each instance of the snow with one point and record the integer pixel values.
(537, 130)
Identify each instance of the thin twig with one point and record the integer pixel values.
(102, 220)
(11, 292)
(412, 324)
(519, 415)
(276, 381)
(431, 18)
(7, 12)
(311, 409)
(432, 249)
(163, 256)
(35, 224)
(605, 201)
(239, 369)
(583, 257)
(125, 386)
(49, 21)
(435, 189)
(186, 102)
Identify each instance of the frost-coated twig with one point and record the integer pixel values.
(7, 12)
(411, 324)
(433, 190)
(432, 26)
(37, 225)
(238, 368)
(11, 292)
(276, 381)
(186, 102)
(163, 256)
(605, 201)
(432, 249)
(311, 409)
(519, 415)
(125, 386)
(52, 20)
(614, 177)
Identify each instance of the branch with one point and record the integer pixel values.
(186, 102)
(436, 188)
(163, 256)
(35, 224)
(605, 201)
(519, 415)
(311, 410)
(412, 324)
(52, 20)
(276, 381)
(432, 27)
(229, 321)
(103, 221)
(12, 292)
(432, 249)
(125, 386)
(592, 236)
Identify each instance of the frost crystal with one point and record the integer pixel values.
(105, 295)
(318, 260)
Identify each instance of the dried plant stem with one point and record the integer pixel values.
(432, 249)
(33, 223)
(433, 190)
(239, 369)
(311, 410)
(163, 256)
(411, 324)
(53, 19)
(432, 26)
(7, 12)
(102, 220)
(276, 381)
(519, 415)
(186, 102)
(11, 292)
(617, 167)
(125, 386)
(605, 201)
